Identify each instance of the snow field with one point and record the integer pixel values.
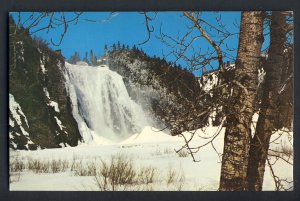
(148, 150)
(151, 149)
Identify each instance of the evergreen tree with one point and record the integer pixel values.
(114, 47)
(75, 58)
(93, 58)
(134, 48)
(118, 45)
(86, 59)
(105, 49)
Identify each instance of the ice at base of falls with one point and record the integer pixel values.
(101, 104)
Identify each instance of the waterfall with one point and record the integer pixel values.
(101, 104)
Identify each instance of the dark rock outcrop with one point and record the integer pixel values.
(37, 86)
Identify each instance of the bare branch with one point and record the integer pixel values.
(149, 30)
(204, 34)
(64, 31)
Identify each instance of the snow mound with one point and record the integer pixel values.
(98, 140)
(150, 135)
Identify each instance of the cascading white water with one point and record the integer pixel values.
(101, 104)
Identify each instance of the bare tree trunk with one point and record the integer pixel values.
(240, 106)
(286, 91)
(269, 105)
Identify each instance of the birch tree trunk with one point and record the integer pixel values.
(269, 106)
(240, 109)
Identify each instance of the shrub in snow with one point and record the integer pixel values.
(84, 169)
(175, 178)
(146, 175)
(183, 153)
(118, 173)
(168, 151)
(38, 166)
(59, 165)
(52, 166)
(16, 165)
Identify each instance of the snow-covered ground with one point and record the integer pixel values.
(150, 148)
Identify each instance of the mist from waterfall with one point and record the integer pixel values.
(101, 104)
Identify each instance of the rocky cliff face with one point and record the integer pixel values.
(40, 114)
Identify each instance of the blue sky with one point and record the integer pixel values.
(129, 28)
